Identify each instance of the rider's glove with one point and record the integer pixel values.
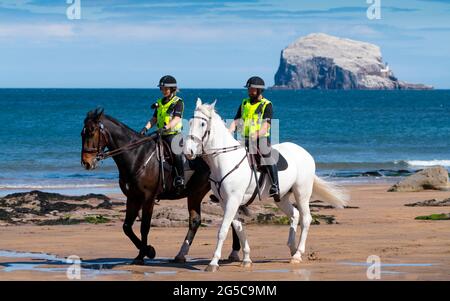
(143, 131)
(162, 130)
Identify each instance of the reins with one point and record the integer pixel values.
(217, 151)
(102, 155)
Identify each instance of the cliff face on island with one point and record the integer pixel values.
(320, 61)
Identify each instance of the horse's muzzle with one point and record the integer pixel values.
(88, 165)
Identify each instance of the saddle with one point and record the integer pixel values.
(167, 171)
(275, 157)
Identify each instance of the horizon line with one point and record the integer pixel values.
(215, 88)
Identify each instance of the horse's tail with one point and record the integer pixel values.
(330, 193)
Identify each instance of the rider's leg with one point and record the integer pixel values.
(265, 149)
(274, 190)
(177, 158)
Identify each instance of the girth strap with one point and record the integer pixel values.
(219, 183)
(255, 192)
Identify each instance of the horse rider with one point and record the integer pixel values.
(167, 115)
(255, 115)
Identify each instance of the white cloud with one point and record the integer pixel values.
(130, 32)
(40, 31)
(351, 30)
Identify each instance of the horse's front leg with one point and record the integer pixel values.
(133, 207)
(238, 228)
(231, 209)
(234, 255)
(195, 221)
(198, 186)
(149, 251)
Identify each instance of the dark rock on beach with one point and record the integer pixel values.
(430, 203)
(45, 208)
(49, 196)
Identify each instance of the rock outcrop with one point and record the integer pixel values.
(43, 208)
(321, 61)
(435, 177)
(430, 203)
(47, 209)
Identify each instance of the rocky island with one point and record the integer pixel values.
(321, 61)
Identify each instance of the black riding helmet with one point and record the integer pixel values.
(255, 82)
(167, 81)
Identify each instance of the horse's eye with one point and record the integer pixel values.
(203, 124)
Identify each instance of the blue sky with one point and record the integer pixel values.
(206, 43)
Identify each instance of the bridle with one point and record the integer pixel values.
(102, 134)
(205, 137)
(216, 151)
(100, 154)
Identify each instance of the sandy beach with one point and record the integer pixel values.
(409, 249)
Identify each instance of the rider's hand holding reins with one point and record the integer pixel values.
(162, 130)
(143, 131)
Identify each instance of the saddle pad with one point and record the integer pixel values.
(276, 157)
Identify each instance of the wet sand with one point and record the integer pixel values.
(409, 249)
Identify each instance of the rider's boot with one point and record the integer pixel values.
(274, 190)
(178, 182)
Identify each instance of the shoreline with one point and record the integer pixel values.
(113, 188)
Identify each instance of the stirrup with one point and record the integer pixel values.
(274, 192)
(178, 182)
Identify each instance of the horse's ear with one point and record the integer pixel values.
(98, 113)
(198, 103)
(213, 105)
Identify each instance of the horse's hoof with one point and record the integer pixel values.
(246, 264)
(234, 258)
(138, 261)
(296, 260)
(179, 259)
(151, 252)
(212, 268)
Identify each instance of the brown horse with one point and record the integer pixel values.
(140, 179)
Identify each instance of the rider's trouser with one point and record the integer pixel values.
(177, 152)
(262, 148)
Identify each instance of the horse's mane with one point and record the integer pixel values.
(97, 113)
(118, 123)
(209, 110)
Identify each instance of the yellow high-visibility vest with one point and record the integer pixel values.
(164, 115)
(251, 115)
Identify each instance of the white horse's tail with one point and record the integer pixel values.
(330, 193)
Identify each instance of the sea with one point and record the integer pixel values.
(353, 136)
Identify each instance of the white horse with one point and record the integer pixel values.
(209, 137)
